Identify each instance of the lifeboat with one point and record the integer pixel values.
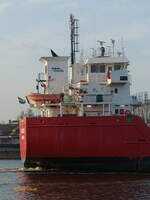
(37, 97)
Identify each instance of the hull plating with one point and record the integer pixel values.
(102, 143)
(105, 164)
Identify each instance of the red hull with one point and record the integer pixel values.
(60, 141)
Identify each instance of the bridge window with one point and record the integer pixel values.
(102, 68)
(109, 69)
(95, 68)
(117, 67)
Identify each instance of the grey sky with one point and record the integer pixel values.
(29, 28)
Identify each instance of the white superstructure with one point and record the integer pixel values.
(100, 86)
(56, 73)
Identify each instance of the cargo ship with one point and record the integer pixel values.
(87, 119)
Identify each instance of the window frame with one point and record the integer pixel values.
(118, 66)
(123, 78)
(98, 68)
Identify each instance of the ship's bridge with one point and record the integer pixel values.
(99, 66)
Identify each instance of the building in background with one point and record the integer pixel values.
(9, 140)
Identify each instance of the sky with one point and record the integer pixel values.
(30, 28)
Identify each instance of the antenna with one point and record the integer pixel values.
(101, 42)
(82, 56)
(74, 37)
(145, 97)
(93, 52)
(122, 46)
(109, 50)
(113, 46)
(102, 49)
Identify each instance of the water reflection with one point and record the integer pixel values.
(83, 186)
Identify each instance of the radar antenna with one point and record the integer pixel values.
(102, 49)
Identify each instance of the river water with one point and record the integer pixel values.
(17, 184)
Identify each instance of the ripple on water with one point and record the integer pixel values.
(17, 184)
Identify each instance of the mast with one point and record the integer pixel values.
(74, 38)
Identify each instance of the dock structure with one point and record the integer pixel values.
(9, 140)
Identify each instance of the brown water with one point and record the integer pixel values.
(15, 184)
